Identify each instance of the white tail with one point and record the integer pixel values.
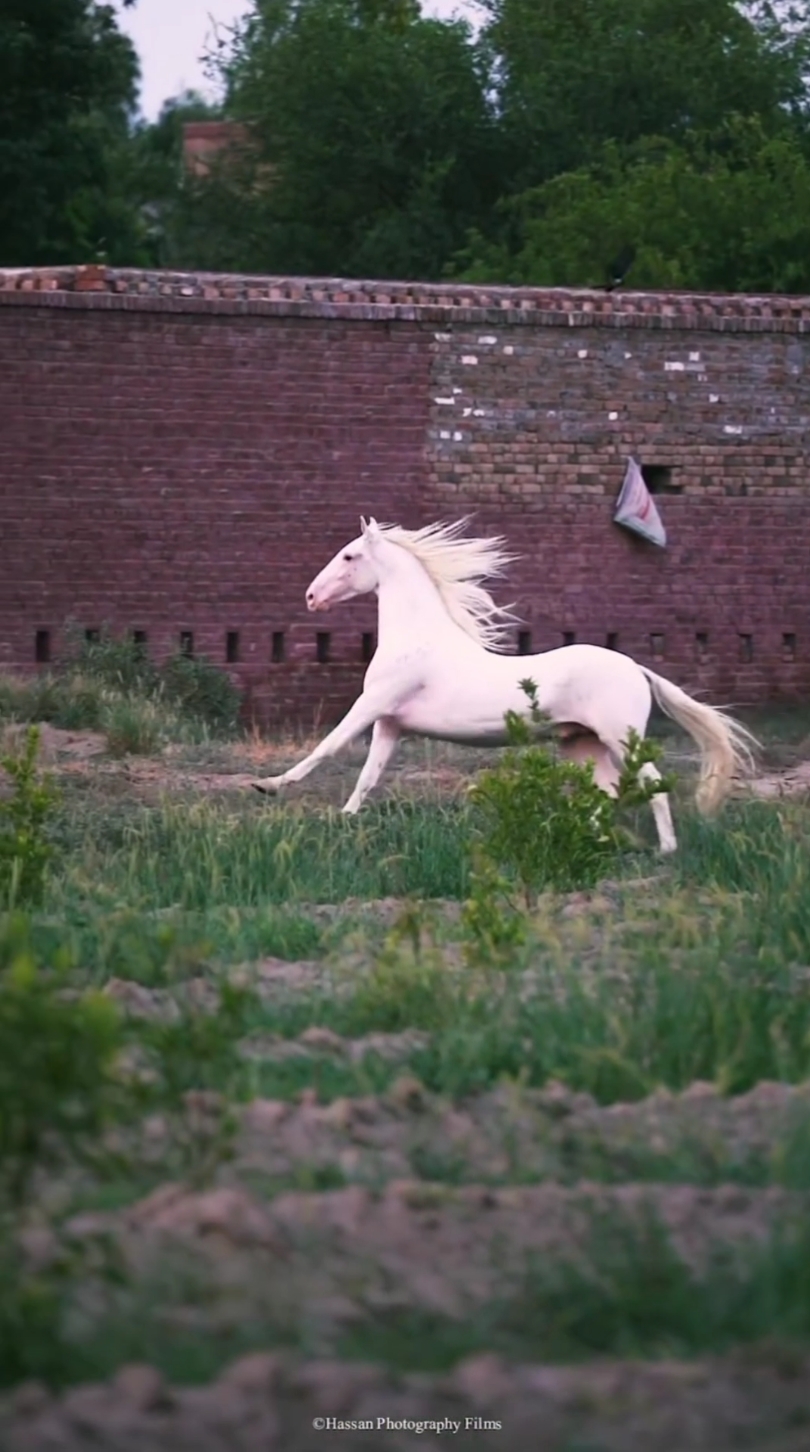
(726, 746)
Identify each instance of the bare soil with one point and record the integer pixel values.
(324, 1220)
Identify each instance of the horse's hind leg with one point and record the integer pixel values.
(667, 841)
(577, 744)
(582, 746)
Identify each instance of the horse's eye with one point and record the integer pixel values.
(349, 558)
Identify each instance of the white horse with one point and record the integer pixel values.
(437, 671)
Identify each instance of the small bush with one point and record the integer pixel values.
(70, 700)
(408, 985)
(545, 822)
(137, 726)
(120, 663)
(200, 689)
(57, 1053)
(25, 850)
(493, 929)
(110, 685)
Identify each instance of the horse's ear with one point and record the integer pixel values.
(363, 526)
(373, 527)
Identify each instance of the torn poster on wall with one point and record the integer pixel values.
(635, 508)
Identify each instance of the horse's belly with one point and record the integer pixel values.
(459, 737)
(443, 720)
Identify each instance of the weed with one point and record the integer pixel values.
(57, 1053)
(25, 850)
(109, 684)
(544, 820)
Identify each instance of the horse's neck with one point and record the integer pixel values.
(409, 602)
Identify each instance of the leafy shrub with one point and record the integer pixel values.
(25, 850)
(544, 821)
(408, 985)
(201, 689)
(118, 662)
(493, 929)
(57, 1056)
(109, 684)
(137, 726)
(72, 701)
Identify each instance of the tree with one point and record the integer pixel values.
(577, 74)
(724, 211)
(170, 211)
(68, 86)
(375, 145)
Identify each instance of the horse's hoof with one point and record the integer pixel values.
(268, 786)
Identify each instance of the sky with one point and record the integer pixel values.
(171, 35)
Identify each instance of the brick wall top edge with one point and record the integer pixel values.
(96, 285)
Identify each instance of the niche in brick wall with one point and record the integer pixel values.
(323, 647)
(187, 642)
(524, 642)
(367, 646)
(277, 647)
(789, 646)
(661, 478)
(232, 647)
(42, 647)
(569, 637)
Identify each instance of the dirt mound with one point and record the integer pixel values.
(267, 1402)
(791, 783)
(550, 1134)
(310, 1263)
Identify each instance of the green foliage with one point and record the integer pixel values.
(373, 144)
(116, 661)
(173, 210)
(68, 82)
(545, 821)
(57, 1055)
(134, 726)
(25, 849)
(722, 211)
(385, 143)
(408, 986)
(109, 684)
(493, 929)
(208, 853)
(575, 74)
(198, 688)
(199, 1050)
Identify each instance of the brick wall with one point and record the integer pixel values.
(182, 453)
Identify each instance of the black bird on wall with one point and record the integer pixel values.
(618, 269)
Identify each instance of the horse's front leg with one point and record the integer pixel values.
(383, 744)
(365, 711)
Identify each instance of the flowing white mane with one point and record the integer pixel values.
(457, 567)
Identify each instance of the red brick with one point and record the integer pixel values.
(168, 463)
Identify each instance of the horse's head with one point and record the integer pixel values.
(352, 571)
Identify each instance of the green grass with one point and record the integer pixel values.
(207, 853)
(633, 1296)
(630, 1295)
(701, 974)
(704, 979)
(123, 942)
(110, 685)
